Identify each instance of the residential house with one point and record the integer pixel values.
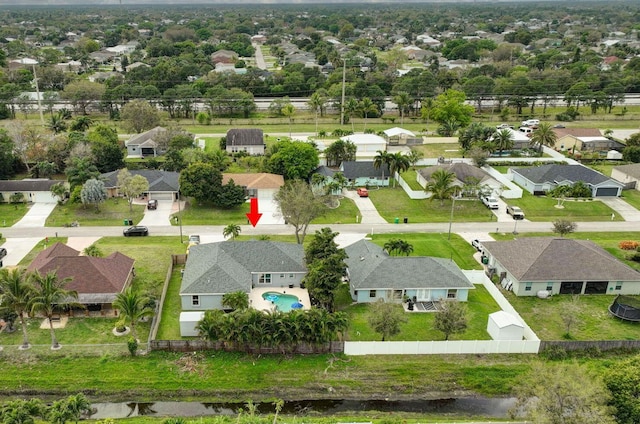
(361, 173)
(367, 144)
(584, 139)
(540, 179)
(629, 175)
(262, 186)
(249, 140)
(214, 269)
(163, 185)
(398, 135)
(374, 275)
(559, 266)
(520, 140)
(34, 190)
(145, 144)
(224, 56)
(467, 176)
(97, 280)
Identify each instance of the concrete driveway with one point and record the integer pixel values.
(36, 215)
(622, 208)
(368, 211)
(17, 248)
(159, 216)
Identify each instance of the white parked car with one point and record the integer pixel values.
(476, 243)
(531, 123)
(490, 202)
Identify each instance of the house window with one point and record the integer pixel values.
(549, 286)
(372, 293)
(290, 275)
(452, 293)
(618, 285)
(527, 286)
(281, 275)
(195, 300)
(265, 279)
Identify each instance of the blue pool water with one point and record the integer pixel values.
(282, 301)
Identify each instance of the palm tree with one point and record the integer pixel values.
(397, 163)
(16, 294)
(93, 250)
(289, 110)
(317, 103)
(77, 405)
(236, 300)
(403, 100)
(503, 140)
(81, 123)
(56, 123)
(544, 136)
(366, 106)
(405, 247)
(232, 230)
(414, 157)
(381, 159)
(51, 296)
(350, 108)
(441, 185)
(132, 306)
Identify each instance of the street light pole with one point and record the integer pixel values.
(35, 78)
(179, 217)
(344, 78)
(453, 203)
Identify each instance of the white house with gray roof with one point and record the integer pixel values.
(374, 275)
(559, 266)
(540, 179)
(214, 269)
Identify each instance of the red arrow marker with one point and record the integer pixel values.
(254, 216)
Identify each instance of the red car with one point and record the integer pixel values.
(363, 192)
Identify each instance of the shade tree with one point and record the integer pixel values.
(386, 319)
(131, 186)
(93, 192)
(299, 206)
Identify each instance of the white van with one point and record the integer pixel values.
(527, 130)
(530, 123)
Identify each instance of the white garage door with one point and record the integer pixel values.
(161, 195)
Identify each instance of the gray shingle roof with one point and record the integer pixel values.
(324, 170)
(370, 267)
(632, 169)
(352, 170)
(557, 173)
(559, 259)
(28, 185)
(158, 180)
(226, 267)
(245, 137)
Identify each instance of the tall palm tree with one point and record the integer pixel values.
(503, 140)
(544, 136)
(317, 103)
(441, 185)
(351, 107)
(402, 100)
(51, 295)
(16, 294)
(381, 159)
(132, 306)
(367, 107)
(414, 157)
(289, 110)
(397, 163)
(232, 230)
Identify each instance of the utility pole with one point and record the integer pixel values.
(35, 78)
(344, 78)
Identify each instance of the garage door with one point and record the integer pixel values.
(161, 195)
(606, 191)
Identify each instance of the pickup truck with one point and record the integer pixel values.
(490, 202)
(515, 212)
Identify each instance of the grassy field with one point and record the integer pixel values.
(542, 208)
(344, 214)
(409, 177)
(111, 213)
(420, 325)
(10, 214)
(435, 150)
(632, 197)
(394, 203)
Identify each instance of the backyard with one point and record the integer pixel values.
(543, 208)
(112, 212)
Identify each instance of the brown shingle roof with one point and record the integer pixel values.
(91, 276)
(559, 259)
(577, 132)
(258, 181)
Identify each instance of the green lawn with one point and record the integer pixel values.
(420, 325)
(112, 212)
(632, 197)
(543, 208)
(409, 177)
(437, 245)
(10, 214)
(169, 328)
(394, 203)
(344, 214)
(435, 150)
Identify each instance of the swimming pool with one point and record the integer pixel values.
(282, 301)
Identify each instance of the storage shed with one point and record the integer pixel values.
(504, 326)
(188, 323)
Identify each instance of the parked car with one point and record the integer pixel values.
(515, 212)
(490, 202)
(194, 238)
(527, 130)
(503, 126)
(152, 204)
(363, 192)
(530, 123)
(136, 230)
(476, 243)
(3, 253)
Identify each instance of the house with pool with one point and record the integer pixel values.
(373, 274)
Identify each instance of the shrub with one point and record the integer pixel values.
(635, 257)
(628, 245)
(555, 353)
(132, 345)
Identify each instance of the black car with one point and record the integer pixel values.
(3, 253)
(137, 230)
(152, 204)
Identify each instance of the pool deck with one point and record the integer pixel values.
(257, 302)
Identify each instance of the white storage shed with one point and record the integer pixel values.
(504, 326)
(188, 322)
